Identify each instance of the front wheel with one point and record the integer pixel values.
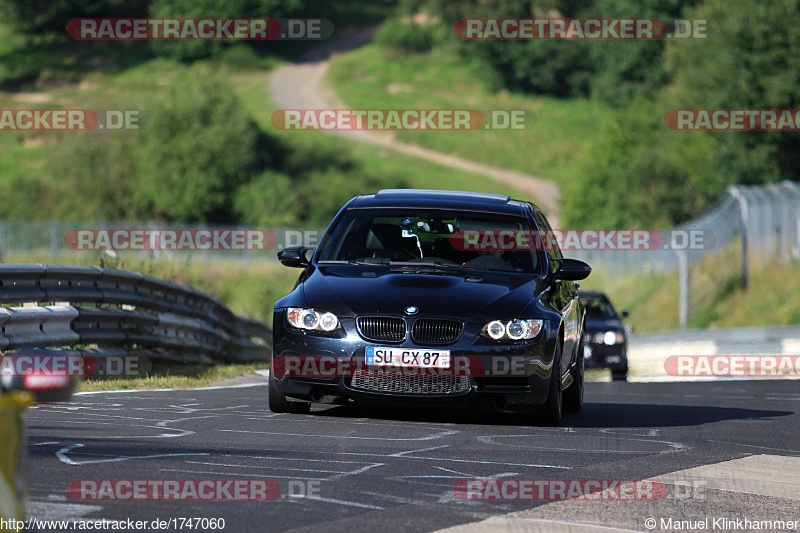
(549, 413)
(279, 404)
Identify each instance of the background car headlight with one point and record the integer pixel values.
(311, 319)
(512, 330)
(609, 337)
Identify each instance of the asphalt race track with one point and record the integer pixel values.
(394, 470)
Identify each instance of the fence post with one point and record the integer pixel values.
(53, 240)
(683, 296)
(743, 214)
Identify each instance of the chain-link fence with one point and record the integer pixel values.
(763, 222)
(771, 216)
(766, 220)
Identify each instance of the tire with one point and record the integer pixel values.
(573, 396)
(619, 375)
(279, 404)
(549, 413)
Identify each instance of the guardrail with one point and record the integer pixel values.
(116, 311)
(647, 353)
(724, 336)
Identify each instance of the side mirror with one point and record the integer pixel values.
(624, 314)
(572, 270)
(294, 256)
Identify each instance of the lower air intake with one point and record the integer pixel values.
(395, 383)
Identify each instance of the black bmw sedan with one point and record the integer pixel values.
(432, 296)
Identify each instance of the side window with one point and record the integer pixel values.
(551, 246)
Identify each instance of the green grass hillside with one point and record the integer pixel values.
(371, 77)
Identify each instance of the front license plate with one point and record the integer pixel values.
(405, 357)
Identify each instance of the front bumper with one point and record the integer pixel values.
(513, 376)
(614, 356)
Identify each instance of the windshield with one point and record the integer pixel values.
(599, 308)
(418, 237)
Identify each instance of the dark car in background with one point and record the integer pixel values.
(389, 286)
(605, 343)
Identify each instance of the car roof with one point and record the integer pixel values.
(431, 198)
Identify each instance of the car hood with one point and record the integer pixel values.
(350, 290)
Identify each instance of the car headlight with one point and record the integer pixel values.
(609, 337)
(311, 319)
(514, 330)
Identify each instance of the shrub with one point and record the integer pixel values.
(408, 38)
(198, 146)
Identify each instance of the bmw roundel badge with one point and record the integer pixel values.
(412, 310)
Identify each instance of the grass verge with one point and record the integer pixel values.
(174, 378)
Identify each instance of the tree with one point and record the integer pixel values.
(639, 174)
(199, 146)
(51, 16)
(751, 63)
